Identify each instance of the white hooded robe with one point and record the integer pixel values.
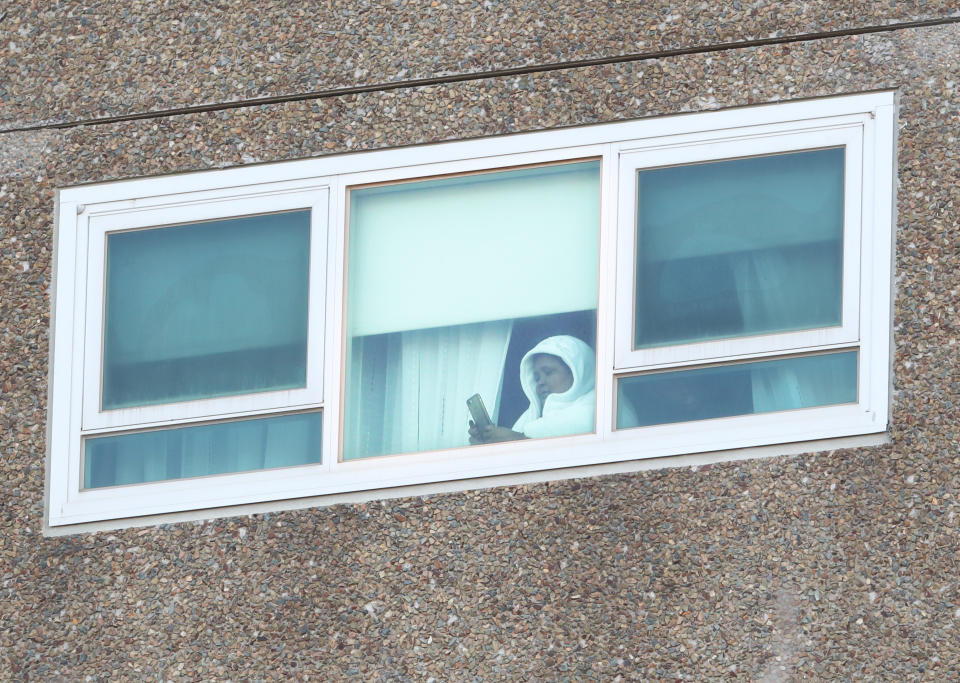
(571, 412)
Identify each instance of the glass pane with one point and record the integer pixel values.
(740, 389)
(739, 247)
(219, 448)
(452, 283)
(208, 309)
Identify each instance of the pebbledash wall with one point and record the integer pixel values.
(816, 561)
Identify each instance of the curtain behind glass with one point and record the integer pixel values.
(737, 389)
(220, 448)
(208, 309)
(739, 247)
(408, 390)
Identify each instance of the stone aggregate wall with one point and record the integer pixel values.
(69, 60)
(835, 565)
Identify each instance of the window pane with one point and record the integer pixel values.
(205, 310)
(197, 451)
(740, 389)
(453, 280)
(739, 247)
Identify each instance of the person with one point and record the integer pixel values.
(558, 378)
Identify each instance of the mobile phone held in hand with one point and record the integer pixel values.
(479, 411)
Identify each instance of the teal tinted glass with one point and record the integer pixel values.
(450, 282)
(205, 310)
(739, 389)
(219, 448)
(739, 247)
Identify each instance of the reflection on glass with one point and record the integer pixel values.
(451, 282)
(205, 310)
(219, 448)
(739, 389)
(739, 247)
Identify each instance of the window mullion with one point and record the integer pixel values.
(333, 341)
(608, 286)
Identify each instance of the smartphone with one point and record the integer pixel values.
(479, 411)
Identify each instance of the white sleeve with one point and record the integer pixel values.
(577, 418)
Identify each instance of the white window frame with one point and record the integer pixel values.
(764, 140)
(86, 213)
(104, 220)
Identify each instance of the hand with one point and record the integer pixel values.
(474, 431)
(492, 434)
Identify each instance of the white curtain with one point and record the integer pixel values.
(767, 301)
(407, 391)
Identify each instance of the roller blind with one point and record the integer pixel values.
(474, 248)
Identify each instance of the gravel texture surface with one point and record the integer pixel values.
(65, 60)
(839, 565)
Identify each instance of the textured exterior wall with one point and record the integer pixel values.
(76, 60)
(831, 565)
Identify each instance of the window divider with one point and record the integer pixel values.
(606, 307)
(335, 339)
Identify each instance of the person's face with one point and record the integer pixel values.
(552, 376)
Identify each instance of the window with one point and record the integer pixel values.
(622, 291)
(444, 277)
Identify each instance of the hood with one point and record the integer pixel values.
(577, 355)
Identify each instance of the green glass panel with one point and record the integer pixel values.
(737, 389)
(739, 247)
(221, 448)
(205, 310)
